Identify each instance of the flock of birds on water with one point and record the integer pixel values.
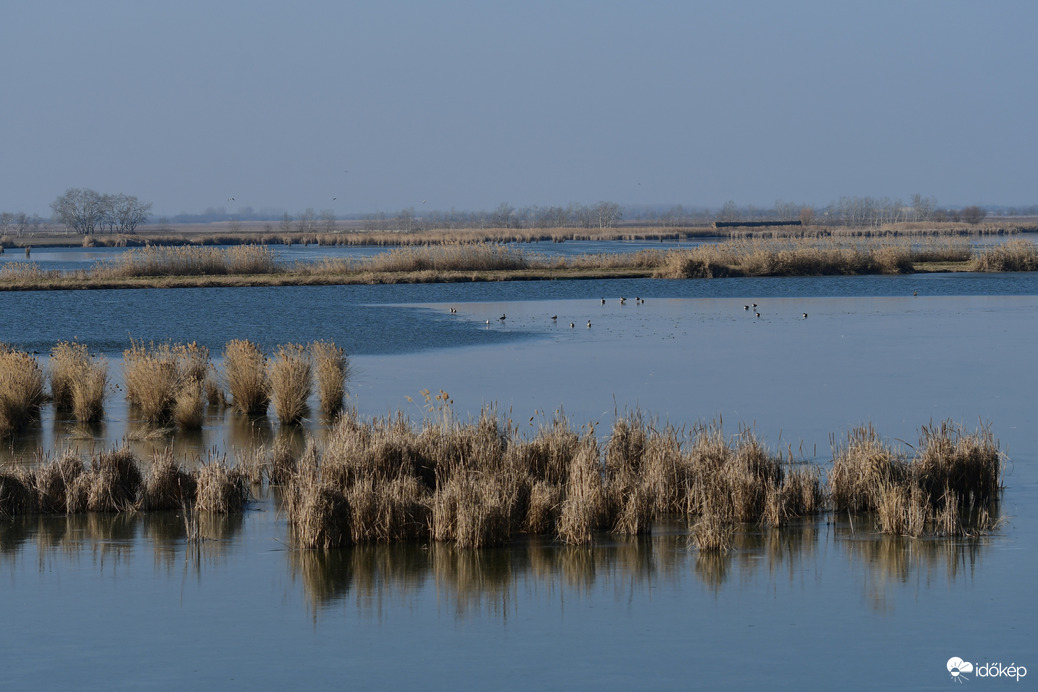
(623, 301)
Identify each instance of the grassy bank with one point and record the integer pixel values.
(182, 267)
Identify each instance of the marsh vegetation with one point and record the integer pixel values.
(158, 266)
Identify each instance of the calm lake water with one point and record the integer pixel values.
(101, 602)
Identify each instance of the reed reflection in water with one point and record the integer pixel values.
(496, 581)
(110, 539)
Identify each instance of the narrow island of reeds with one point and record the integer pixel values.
(482, 483)
(255, 265)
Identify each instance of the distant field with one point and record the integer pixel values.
(354, 233)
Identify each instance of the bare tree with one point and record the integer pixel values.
(307, 221)
(328, 220)
(82, 211)
(502, 217)
(729, 212)
(922, 207)
(607, 213)
(973, 214)
(128, 212)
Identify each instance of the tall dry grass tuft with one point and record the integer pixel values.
(189, 405)
(165, 381)
(1017, 255)
(247, 380)
(167, 485)
(392, 510)
(152, 380)
(318, 511)
(473, 510)
(290, 374)
(547, 457)
(481, 256)
(221, 489)
(66, 360)
(959, 465)
(21, 390)
(953, 486)
(790, 257)
(283, 461)
(628, 487)
(584, 503)
(332, 368)
(156, 260)
(16, 495)
(112, 484)
(861, 467)
(53, 480)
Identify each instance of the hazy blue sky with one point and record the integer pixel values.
(386, 105)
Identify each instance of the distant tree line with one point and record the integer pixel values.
(88, 211)
(19, 223)
(600, 215)
(854, 212)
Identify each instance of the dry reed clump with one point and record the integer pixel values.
(332, 369)
(473, 510)
(283, 462)
(52, 481)
(740, 481)
(112, 484)
(383, 449)
(861, 468)
(247, 379)
(221, 489)
(1017, 255)
(628, 487)
(66, 359)
(189, 405)
(290, 373)
(787, 258)
(78, 381)
(667, 472)
(584, 507)
(391, 510)
(481, 256)
(953, 485)
(476, 485)
(165, 382)
(319, 515)
(16, 495)
(318, 511)
(21, 390)
(167, 485)
(548, 455)
(543, 509)
(155, 260)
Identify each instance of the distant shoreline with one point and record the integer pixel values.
(223, 233)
